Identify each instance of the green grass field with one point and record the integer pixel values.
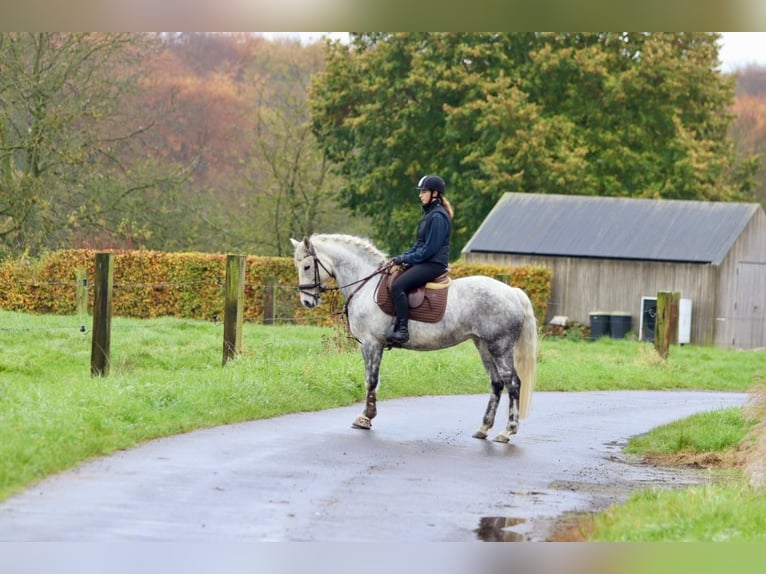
(166, 378)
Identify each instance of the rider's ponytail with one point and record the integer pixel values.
(448, 207)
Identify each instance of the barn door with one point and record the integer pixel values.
(750, 306)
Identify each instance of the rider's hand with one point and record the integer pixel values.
(397, 260)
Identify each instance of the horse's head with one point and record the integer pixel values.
(313, 275)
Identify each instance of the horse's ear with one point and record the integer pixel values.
(307, 244)
(295, 242)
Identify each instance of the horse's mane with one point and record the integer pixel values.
(361, 242)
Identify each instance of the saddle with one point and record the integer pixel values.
(427, 302)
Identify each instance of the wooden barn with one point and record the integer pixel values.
(608, 253)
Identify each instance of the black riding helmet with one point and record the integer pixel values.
(431, 183)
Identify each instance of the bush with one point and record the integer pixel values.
(190, 285)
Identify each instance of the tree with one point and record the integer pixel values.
(294, 191)
(192, 84)
(749, 129)
(237, 104)
(71, 163)
(614, 114)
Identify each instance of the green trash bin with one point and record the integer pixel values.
(599, 325)
(620, 324)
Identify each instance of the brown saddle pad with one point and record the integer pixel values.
(427, 303)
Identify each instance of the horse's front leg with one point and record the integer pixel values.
(372, 353)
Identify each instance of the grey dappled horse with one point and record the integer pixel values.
(498, 319)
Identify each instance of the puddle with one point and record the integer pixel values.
(498, 529)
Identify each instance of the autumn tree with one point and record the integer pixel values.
(749, 128)
(610, 114)
(238, 104)
(65, 140)
(194, 86)
(293, 192)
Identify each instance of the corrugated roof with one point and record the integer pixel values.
(612, 228)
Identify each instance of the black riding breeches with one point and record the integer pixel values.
(412, 278)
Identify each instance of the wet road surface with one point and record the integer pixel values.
(417, 476)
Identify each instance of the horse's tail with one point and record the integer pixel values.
(525, 355)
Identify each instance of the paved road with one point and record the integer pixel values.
(417, 476)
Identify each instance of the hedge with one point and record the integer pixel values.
(190, 285)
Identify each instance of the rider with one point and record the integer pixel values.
(429, 256)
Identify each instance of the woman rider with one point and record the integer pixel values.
(429, 256)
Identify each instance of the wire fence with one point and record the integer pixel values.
(283, 313)
(83, 324)
(132, 295)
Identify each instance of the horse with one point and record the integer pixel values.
(497, 317)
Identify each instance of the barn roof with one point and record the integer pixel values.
(612, 228)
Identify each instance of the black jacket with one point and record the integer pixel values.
(433, 237)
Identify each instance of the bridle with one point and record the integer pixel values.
(317, 288)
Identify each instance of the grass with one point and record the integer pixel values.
(621, 364)
(725, 509)
(166, 378)
(713, 431)
(708, 513)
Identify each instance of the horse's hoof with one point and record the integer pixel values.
(479, 434)
(502, 437)
(362, 422)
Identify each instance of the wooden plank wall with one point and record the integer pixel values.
(749, 247)
(582, 286)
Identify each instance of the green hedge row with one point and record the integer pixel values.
(153, 284)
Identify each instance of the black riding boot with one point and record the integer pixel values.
(398, 334)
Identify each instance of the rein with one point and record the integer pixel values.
(317, 284)
(363, 281)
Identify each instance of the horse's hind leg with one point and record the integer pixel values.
(496, 387)
(513, 385)
(372, 353)
(498, 361)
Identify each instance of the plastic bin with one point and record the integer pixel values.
(599, 325)
(620, 324)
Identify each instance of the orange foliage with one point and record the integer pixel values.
(749, 127)
(152, 284)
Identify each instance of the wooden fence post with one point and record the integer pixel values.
(666, 325)
(234, 304)
(102, 315)
(82, 292)
(269, 300)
